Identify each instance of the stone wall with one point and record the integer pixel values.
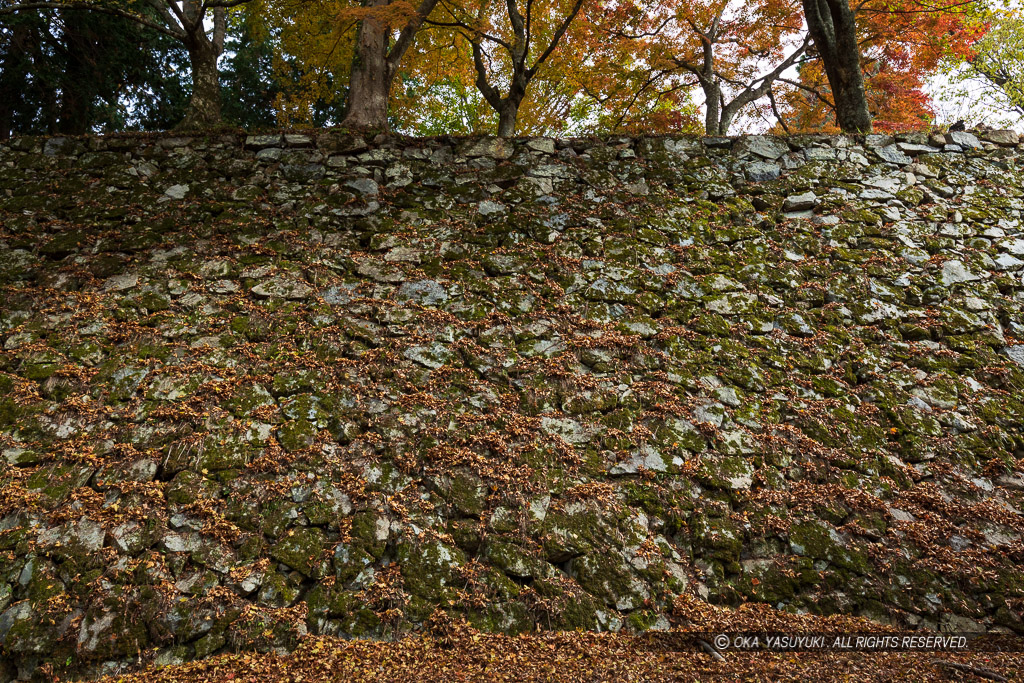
(254, 387)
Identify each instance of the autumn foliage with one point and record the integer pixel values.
(571, 67)
(902, 44)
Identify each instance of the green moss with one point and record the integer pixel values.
(302, 550)
(819, 541)
(296, 435)
(716, 538)
(430, 573)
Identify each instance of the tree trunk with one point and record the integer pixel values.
(832, 25)
(728, 114)
(712, 97)
(507, 116)
(370, 81)
(204, 106)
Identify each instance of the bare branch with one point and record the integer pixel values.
(814, 91)
(775, 110)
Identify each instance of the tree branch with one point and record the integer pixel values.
(492, 96)
(813, 91)
(775, 110)
(557, 37)
(90, 7)
(408, 33)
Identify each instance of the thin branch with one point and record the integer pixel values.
(715, 654)
(644, 34)
(163, 9)
(813, 91)
(473, 34)
(557, 37)
(210, 4)
(90, 7)
(925, 9)
(775, 110)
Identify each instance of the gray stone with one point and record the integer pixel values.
(489, 208)
(403, 255)
(963, 139)
(261, 141)
(495, 148)
(1007, 262)
(120, 283)
(550, 171)
(19, 612)
(568, 429)
(364, 186)
(55, 146)
(764, 146)
(713, 413)
(720, 283)
(282, 288)
(224, 287)
(875, 195)
(296, 140)
(427, 292)
(915, 149)
(876, 140)
(732, 303)
(302, 173)
(761, 171)
(84, 534)
(954, 272)
(821, 154)
(177, 191)
(1006, 138)
(1015, 247)
(717, 142)
(800, 202)
(893, 155)
(433, 356)
(186, 542)
(728, 396)
(542, 145)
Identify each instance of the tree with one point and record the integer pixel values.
(899, 44)
(832, 25)
(991, 74)
(336, 62)
(310, 46)
(249, 84)
(186, 22)
(501, 42)
(376, 58)
(733, 52)
(435, 92)
(71, 72)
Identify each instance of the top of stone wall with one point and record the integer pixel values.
(893, 148)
